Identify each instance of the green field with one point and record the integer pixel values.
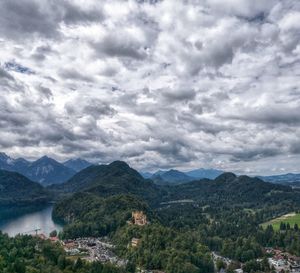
(291, 218)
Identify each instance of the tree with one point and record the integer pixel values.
(220, 264)
(53, 233)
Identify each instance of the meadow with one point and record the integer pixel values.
(291, 218)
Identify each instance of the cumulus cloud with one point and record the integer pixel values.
(160, 84)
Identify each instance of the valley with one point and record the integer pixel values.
(185, 222)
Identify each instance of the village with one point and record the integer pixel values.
(283, 261)
(99, 249)
(279, 261)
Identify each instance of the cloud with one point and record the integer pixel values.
(5, 75)
(42, 18)
(160, 84)
(124, 44)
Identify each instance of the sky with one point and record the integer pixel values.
(158, 84)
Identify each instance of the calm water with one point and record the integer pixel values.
(26, 223)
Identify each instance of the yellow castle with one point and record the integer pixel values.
(139, 218)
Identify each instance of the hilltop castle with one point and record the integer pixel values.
(139, 218)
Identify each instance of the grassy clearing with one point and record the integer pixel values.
(291, 218)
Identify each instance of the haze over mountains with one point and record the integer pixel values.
(45, 170)
(119, 178)
(177, 177)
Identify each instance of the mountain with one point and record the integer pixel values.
(176, 177)
(77, 164)
(231, 189)
(170, 177)
(48, 171)
(288, 178)
(112, 179)
(204, 173)
(112, 212)
(45, 170)
(6, 162)
(146, 175)
(17, 189)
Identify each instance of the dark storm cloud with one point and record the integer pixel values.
(21, 19)
(75, 14)
(45, 91)
(73, 74)
(254, 154)
(93, 107)
(5, 75)
(180, 94)
(120, 46)
(41, 52)
(270, 115)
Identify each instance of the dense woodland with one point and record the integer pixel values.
(26, 254)
(222, 215)
(187, 221)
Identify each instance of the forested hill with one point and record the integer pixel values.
(231, 189)
(16, 189)
(119, 178)
(112, 179)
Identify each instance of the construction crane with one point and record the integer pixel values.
(33, 230)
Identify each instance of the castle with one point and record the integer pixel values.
(139, 218)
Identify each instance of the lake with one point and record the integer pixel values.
(28, 222)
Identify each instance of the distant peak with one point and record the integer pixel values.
(119, 163)
(20, 159)
(3, 156)
(224, 177)
(175, 172)
(78, 159)
(46, 159)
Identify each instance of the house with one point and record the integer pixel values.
(54, 239)
(135, 242)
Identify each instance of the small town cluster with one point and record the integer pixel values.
(101, 249)
(283, 261)
(279, 261)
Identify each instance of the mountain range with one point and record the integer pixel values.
(228, 188)
(177, 177)
(291, 179)
(45, 170)
(119, 178)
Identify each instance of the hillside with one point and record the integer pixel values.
(119, 178)
(16, 189)
(171, 177)
(112, 179)
(204, 173)
(111, 212)
(231, 189)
